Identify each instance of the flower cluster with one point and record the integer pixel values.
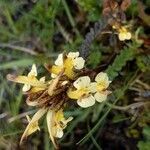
(86, 92)
(123, 33)
(51, 96)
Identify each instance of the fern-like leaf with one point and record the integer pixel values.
(127, 54)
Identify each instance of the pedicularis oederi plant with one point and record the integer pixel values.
(66, 83)
(68, 79)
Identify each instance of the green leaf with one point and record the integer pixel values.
(144, 145)
(127, 54)
(119, 118)
(16, 63)
(143, 62)
(94, 58)
(146, 132)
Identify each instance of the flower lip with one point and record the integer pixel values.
(86, 101)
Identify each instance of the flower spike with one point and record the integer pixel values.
(51, 97)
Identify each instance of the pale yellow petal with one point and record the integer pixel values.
(79, 63)
(59, 60)
(128, 35)
(59, 133)
(50, 124)
(122, 36)
(100, 97)
(32, 126)
(42, 79)
(28, 118)
(102, 81)
(33, 71)
(101, 77)
(53, 75)
(73, 54)
(92, 87)
(66, 121)
(35, 125)
(86, 102)
(26, 87)
(82, 82)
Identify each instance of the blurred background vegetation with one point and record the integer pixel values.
(35, 31)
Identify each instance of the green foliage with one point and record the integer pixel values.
(95, 57)
(145, 145)
(16, 63)
(5, 4)
(93, 8)
(120, 61)
(119, 118)
(118, 94)
(146, 133)
(143, 62)
(133, 8)
(42, 18)
(33, 25)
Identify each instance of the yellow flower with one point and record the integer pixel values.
(124, 34)
(29, 81)
(83, 92)
(102, 83)
(33, 124)
(56, 123)
(88, 92)
(68, 63)
(50, 96)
